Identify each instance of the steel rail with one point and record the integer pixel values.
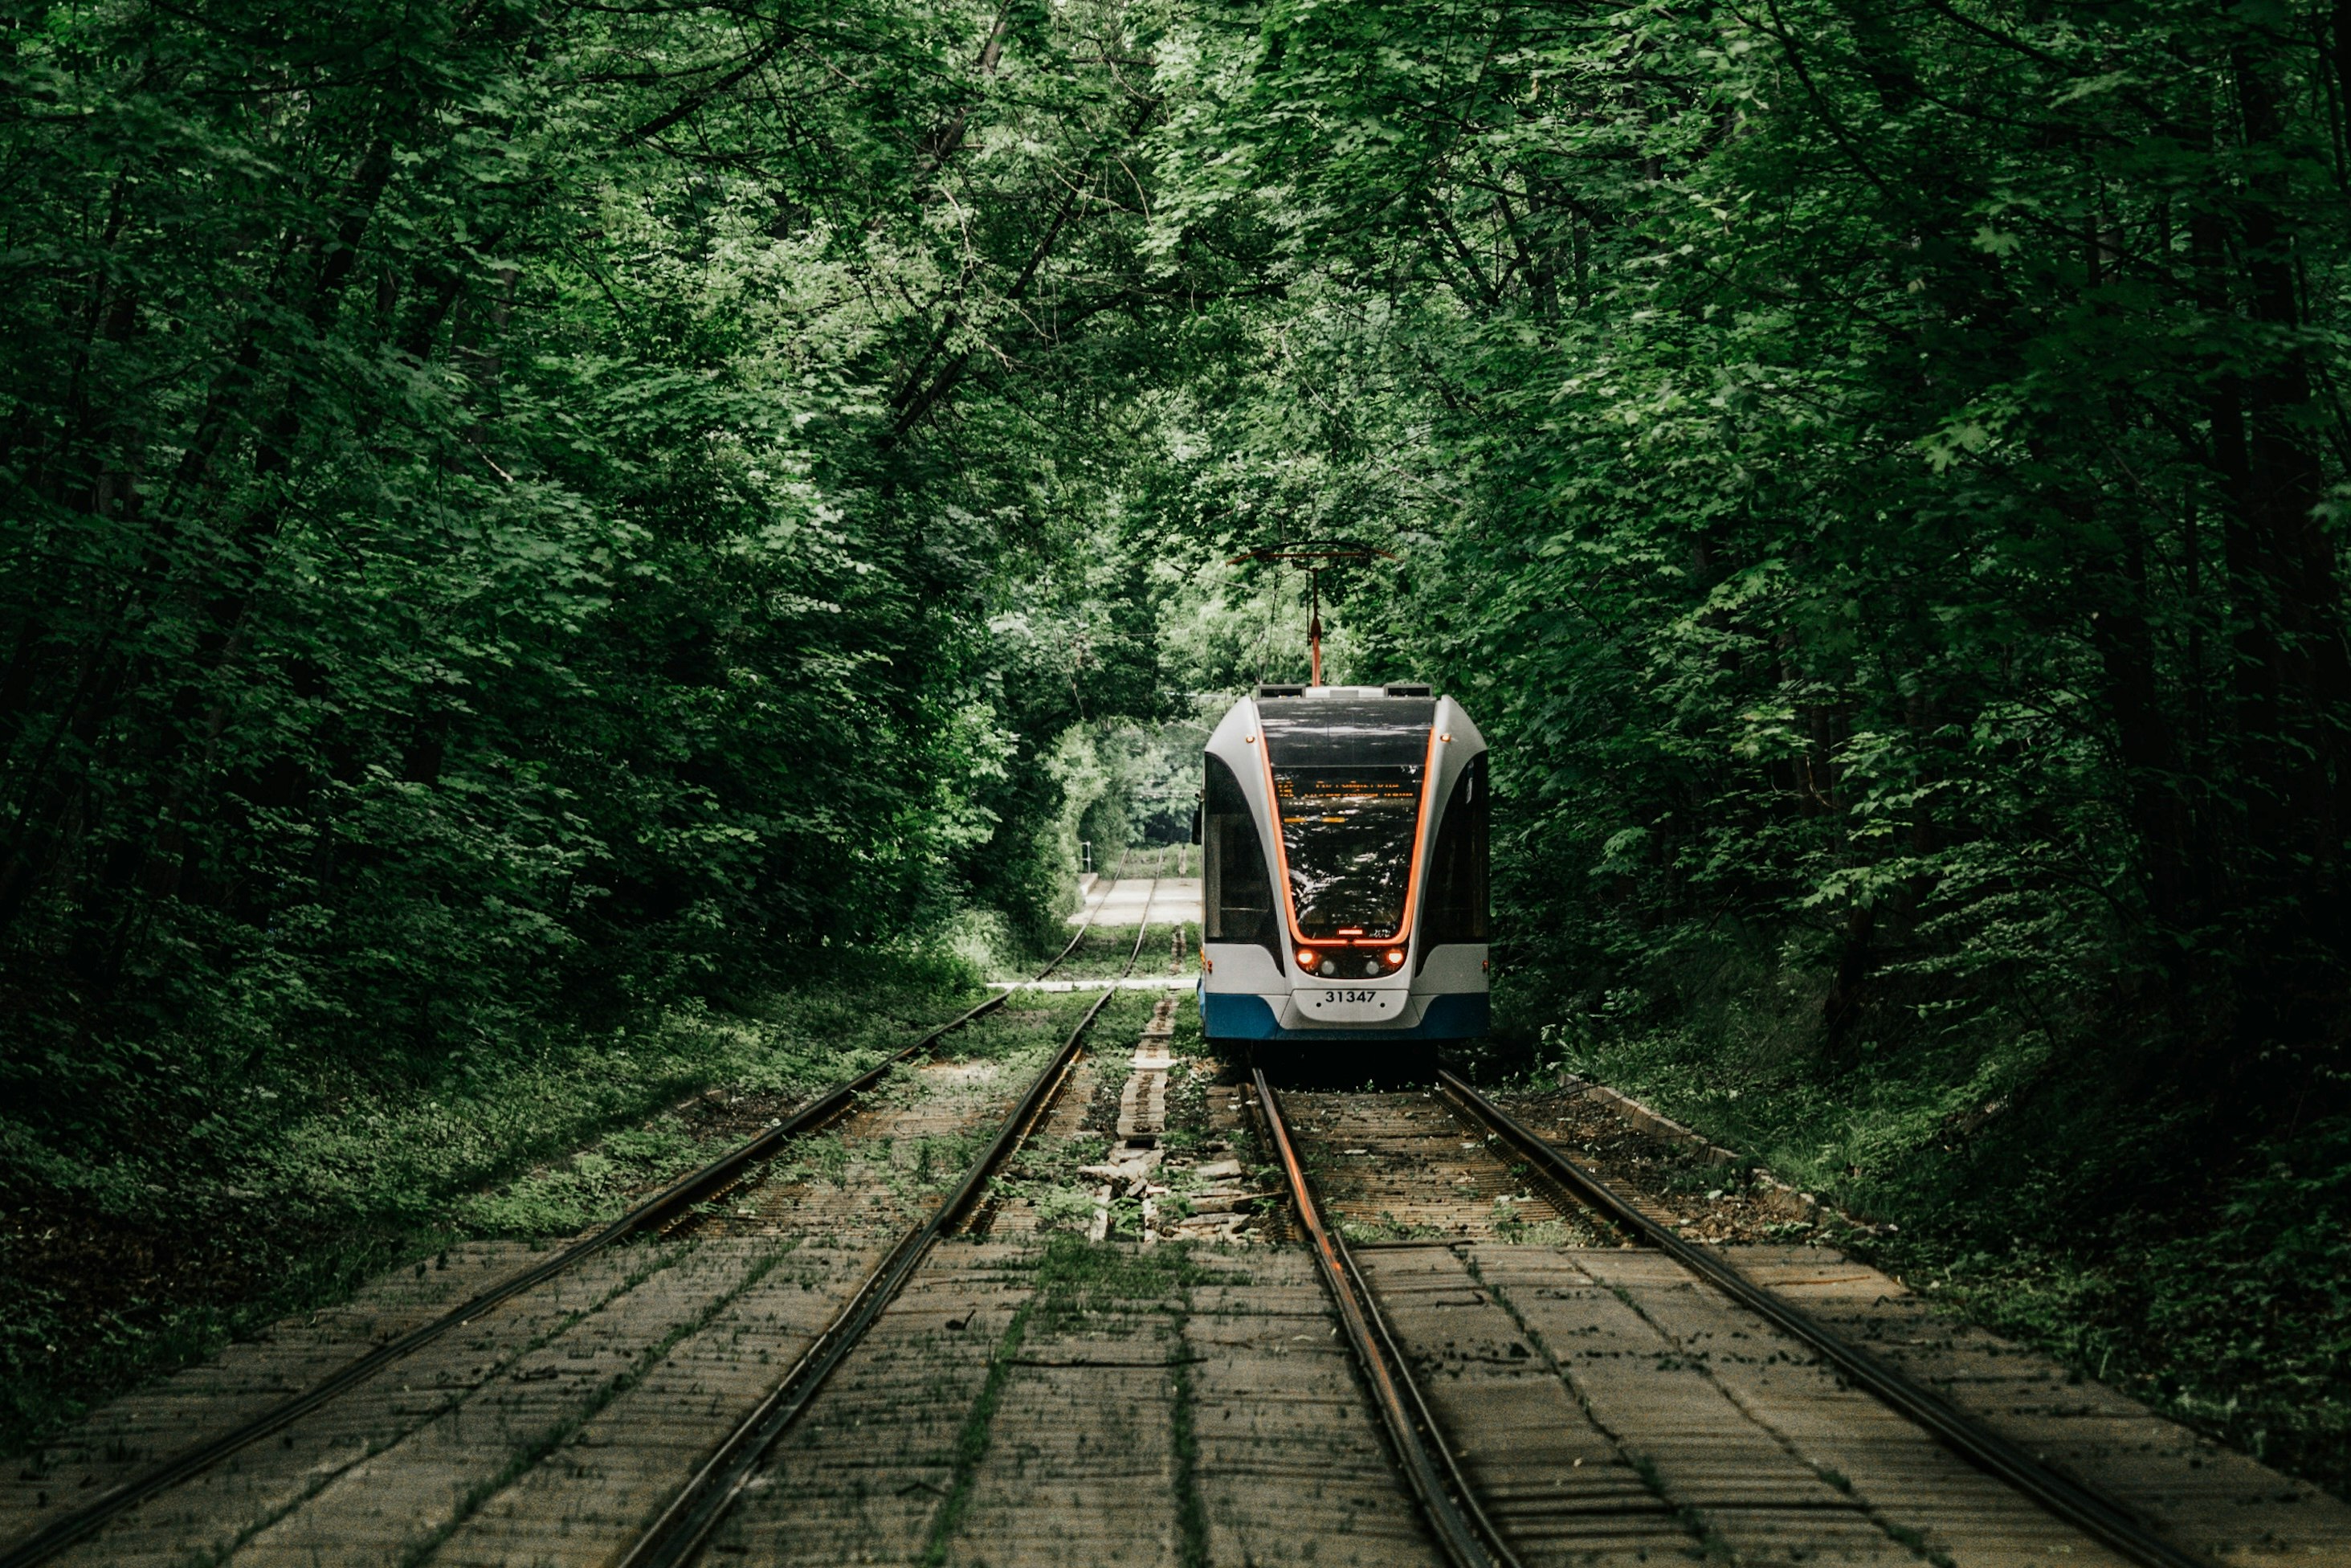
(686, 1524)
(1468, 1537)
(671, 1201)
(2091, 1509)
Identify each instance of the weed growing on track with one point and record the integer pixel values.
(1085, 1287)
(1077, 1280)
(1191, 1510)
(1187, 1087)
(1386, 1228)
(1044, 1175)
(972, 1440)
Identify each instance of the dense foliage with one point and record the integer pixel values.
(1879, 466)
(1876, 471)
(515, 508)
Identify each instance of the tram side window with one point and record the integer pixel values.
(1237, 894)
(1457, 887)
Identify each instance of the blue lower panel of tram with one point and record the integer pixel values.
(1461, 1015)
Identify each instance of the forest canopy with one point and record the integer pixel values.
(518, 512)
(483, 532)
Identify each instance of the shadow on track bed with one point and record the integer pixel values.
(1350, 1065)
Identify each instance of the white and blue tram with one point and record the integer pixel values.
(1344, 868)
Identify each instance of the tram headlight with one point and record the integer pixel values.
(1306, 959)
(1396, 957)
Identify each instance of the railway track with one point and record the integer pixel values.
(1545, 1403)
(661, 1213)
(686, 1526)
(804, 1372)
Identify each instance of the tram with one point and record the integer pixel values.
(1343, 834)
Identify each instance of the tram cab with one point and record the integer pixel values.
(1344, 831)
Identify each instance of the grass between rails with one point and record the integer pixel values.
(2016, 1178)
(1102, 956)
(1079, 1287)
(125, 1260)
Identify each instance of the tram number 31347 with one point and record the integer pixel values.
(1328, 997)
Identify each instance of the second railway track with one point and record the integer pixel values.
(584, 1301)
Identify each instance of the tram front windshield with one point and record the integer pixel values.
(1347, 834)
(1347, 776)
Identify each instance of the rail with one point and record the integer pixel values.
(1468, 1537)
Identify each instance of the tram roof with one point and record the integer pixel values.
(1325, 727)
(1329, 693)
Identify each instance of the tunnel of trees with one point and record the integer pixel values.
(517, 514)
